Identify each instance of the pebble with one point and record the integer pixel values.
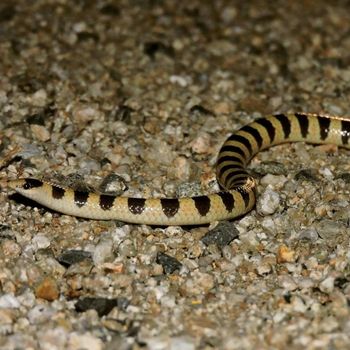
(330, 229)
(268, 202)
(53, 339)
(70, 257)
(103, 306)
(182, 343)
(47, 289)
(169, 263)
(309, 234)
(179, 80)
(198, 283)
(201, 144)
(40, 241)
(10, 248)
(39, 98)
(182, 168)
(327, 285)
(223, 234)
(40, 133)
(103, 252)
(84, 341)
(83, 114)
(8, 301)
(40, 314)
(273, 180)
(287, 283)
(285, 254)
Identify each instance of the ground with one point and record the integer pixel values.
(148, 91)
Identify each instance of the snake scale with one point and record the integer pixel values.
(238, 193)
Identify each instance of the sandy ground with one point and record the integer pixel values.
(136, 97)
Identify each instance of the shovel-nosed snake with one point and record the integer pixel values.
(238, 193)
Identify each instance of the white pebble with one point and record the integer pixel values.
(9, 301)
(103, 252)
(327, 285)
(40, 314)
(120, 233)
(52, 339)
(84, 341)
(287, 283)
(40, 132)
(326, 172)
(182, 343)
(268, 202)
(201, 144)
(298, 305)
(264, 269)
(40, 241)
(279, 316)
(177, 79)
(275, 180)
(39, 98)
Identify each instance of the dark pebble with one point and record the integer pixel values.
(169, 263)
(307, 175)
(223, 234)
(345, 177)
(70, 257)
(102, 305)
(341, 282)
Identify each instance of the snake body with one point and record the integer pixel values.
(238, 187)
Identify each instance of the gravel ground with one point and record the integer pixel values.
(136, 97)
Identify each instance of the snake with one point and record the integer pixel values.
(237, 194)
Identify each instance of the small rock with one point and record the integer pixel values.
(84, 341)
(264, 269)
(329, 229)
(274, 180)
(103, 252)
(223, 234)
(201, 144)
(307, 175)
(179, 80)
(102, 305)
(327, 285)
(298, 305)
(182, 168)
(84, 114)
(40, 314)
(39, 98)
(309, 234)
(169, 263)
(113, 184)
(47, 289)
(40, 132)
(182, 343)
(7, 316)
(222, 108)
(40, 241)
(287, 283)
(70, 257)
(10, 248)
(268, 202)
(199, 283)
(284, 254)
(8, 301)
(52, 339)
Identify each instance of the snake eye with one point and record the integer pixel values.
(31, 183)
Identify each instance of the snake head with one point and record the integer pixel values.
(24, 185)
